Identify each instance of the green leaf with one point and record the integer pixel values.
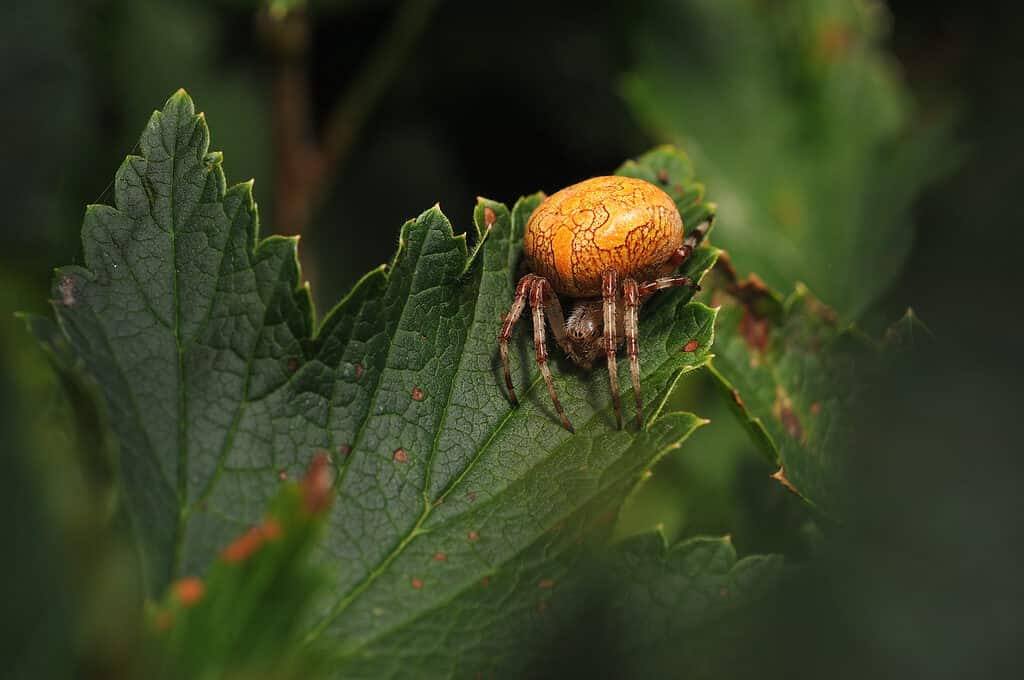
(675, 607)
(219, 384)
(795, 115)
(794, 375)
(244, 617)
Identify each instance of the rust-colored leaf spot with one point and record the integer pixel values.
(438, 501)
(755, 330)
(271, 529)
(316, 485)
(344, 450)
(471, 496)
(783, 410)
(691, 346)
(780, 476)
(792, 423)
(189, 590)
(242, 547)
(815, 408)
(489, 216)
(416, 583)
(417, 394)
(359, 371)
(472, 535)
(485, 581)
(440, 556)
(283, 475)
(663, 176)
(401, 456)
(293, 364)
(546, 583)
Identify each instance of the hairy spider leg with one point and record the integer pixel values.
(609, 291)
(537, 303)
(650, 287)
(553, 310)
(690, 243)
(631, 297)
(518, 303)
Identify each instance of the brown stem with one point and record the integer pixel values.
(304, 169)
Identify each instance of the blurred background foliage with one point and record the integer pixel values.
(866, 150)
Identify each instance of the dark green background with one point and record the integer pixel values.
(502, 99)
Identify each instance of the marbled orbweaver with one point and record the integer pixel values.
(605, 244)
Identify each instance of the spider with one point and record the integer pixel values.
(606, 244)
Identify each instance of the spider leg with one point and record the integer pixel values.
(690, 243)
(631, 295)
(646, 289)
(553, 310)
(537, 303)
(609, 291)
(522, 290)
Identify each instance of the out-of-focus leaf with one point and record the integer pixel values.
(797, 118)
(796, 375)
(245, 618)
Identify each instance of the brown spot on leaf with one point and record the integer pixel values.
(344, 450)
(293, 364)
(417, 394)
(792, 424)
(489, 216)
(691, 346)
(485, 581)
(815, 408)
(401, 456)
(783, 410)
(438, 501)
(189, 590)
(416, 583)
(546, 583)
(316, 485)
(471, 496)
(542, 605)
(723, 591)
(252, 540)
(663, 175)
(440, 556)
(755, 330)
(472, 535)
(282, 475)
(780, 476)
(359, 371)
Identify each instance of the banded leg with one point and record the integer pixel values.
(690, 242)
(650, 287)
(537, 303)
(631, 298)
(522, 290)
(609, 291)
(553, 310)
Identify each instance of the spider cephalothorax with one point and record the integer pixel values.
(606, 244)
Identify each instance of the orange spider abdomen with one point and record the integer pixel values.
(602, 223)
